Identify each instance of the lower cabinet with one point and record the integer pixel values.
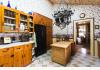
(27, 54)
(5, 55)
(18, 56)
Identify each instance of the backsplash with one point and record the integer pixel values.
(10, 34)
(16, 37)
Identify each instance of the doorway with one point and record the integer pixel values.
(83, 35)
(86, 25)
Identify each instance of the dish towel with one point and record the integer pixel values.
(35, 40)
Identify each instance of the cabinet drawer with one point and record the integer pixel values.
(28, 46)
(5, 50)
(18, 48)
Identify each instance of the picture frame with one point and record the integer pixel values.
(96, 26)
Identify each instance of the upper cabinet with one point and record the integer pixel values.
(8, 19)
(23, 22)
(42, 20)
(12, 20)
(30, 23)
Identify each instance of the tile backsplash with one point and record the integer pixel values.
(15, 36)
(10, 34)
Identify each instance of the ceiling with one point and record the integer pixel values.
(77, 2)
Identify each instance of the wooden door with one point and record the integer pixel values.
(11, 57)
(6, 58)
(25, 58)
(18, 56)
(0, 18)
(49, 36)
(27, 54)
(30, 53)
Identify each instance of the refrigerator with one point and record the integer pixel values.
(40, 32)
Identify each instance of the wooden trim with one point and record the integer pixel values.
(91, 20)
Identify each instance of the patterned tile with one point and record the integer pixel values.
(79, 60)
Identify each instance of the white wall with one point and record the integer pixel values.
(90, 12)
(45, 8)
(40, 6)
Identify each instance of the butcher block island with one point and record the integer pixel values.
(61, 52)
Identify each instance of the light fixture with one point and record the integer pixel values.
(63, 15)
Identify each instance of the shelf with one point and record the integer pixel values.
(9, 17)
(23, 20)
(31, 27)
(31, 21)
(9, 24)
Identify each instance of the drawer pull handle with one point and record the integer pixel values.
(4, 51)
(1, 65)
(18, 48)
(12, 55)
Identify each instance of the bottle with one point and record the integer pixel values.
(1, 3)
(15, 7)
(8, 5)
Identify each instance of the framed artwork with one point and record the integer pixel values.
(96, 26)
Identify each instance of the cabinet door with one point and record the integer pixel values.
(49, 36)
(27, 54)
(18, 56)
(6, 57)
(30, 53)
(25, 57)
(0, 19)
(11, 57)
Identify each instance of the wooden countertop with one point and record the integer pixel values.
(14, 44)
(62, 44)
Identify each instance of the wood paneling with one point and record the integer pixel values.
(42, 20)
(79, 2)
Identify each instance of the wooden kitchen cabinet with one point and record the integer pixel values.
(22, 55)
(37, 18)
(10, 20)
(6, 57)
(42, 20)
(18, 56)
(27, 59)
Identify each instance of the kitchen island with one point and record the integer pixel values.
(61, 52)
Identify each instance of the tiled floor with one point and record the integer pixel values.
(81, 59)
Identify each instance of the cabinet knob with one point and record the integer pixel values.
(12, 55)
(18, 48)
(1, 65)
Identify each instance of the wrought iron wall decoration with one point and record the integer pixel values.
(63, 15)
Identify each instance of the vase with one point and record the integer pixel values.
(8, 5)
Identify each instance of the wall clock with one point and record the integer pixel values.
(82, 15)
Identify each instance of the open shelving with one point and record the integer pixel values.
(31, 25)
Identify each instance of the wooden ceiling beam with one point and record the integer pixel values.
(78, 2)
